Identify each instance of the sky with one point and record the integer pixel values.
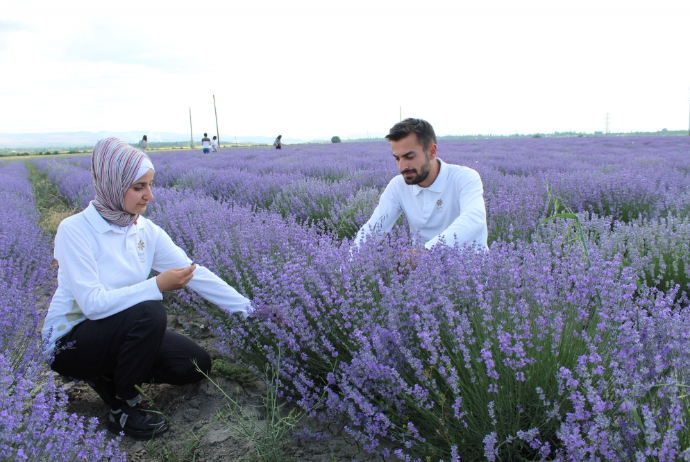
(311, 69)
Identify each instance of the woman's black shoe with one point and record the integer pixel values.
(134, 421)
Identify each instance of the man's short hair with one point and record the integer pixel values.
(423, 129)
(214, 137)
(205, 134)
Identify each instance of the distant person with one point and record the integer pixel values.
(144, 144)
(439, 200)
(106, 320)
(214, 144)
(206, 144)
(278, 143)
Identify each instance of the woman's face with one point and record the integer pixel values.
(139, 194)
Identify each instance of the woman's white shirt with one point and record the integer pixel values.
(104, 269)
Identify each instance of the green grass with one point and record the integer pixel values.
(269, 437)
(240, 374)
(51, 206)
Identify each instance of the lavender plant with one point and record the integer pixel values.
(305, 281)
(34, 424)
(73, 181)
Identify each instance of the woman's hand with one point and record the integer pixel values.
(175, 278)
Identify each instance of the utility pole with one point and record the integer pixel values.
(607, 124)
(214, 110)
(191, 132)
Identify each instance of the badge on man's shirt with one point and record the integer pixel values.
(439, 206)
(140, 250)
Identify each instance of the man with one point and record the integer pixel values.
(214, 144)
(144, 144)
(439, 200)
(206, 144)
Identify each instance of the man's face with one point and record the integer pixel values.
(413, 162)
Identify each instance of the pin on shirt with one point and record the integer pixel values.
(439, 206)
(140, 250)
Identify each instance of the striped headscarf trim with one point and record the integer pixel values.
(115, 166)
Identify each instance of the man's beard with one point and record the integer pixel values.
(420, 176)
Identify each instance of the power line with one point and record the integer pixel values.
(216, 112)
(191, 132)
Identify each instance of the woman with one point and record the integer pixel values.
(105, 321)
(278, 142)
(144, 144)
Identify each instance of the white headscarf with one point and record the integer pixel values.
(115, 167)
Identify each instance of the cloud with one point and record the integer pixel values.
(105, 42)
(7, 27)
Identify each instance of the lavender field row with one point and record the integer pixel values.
(560, 343)
(34, 423)
(338, 186)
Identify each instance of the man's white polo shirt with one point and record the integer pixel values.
(452, 207)
(104, 269)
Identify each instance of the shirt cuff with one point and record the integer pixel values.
(244, 312)
(152, 290)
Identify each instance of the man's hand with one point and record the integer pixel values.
(175, 278)
(409, 261)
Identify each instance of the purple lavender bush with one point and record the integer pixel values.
(72, 180)
(238, 186)
(476, 358)
(237, 242)
(399, 351)
(657, 250)
(330, 204)
(346, 217)
(34, 424)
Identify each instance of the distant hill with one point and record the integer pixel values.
(68, 139)
(82, 140)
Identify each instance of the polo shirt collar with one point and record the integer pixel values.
(101, 225)
(96, 220)
(439, 183)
